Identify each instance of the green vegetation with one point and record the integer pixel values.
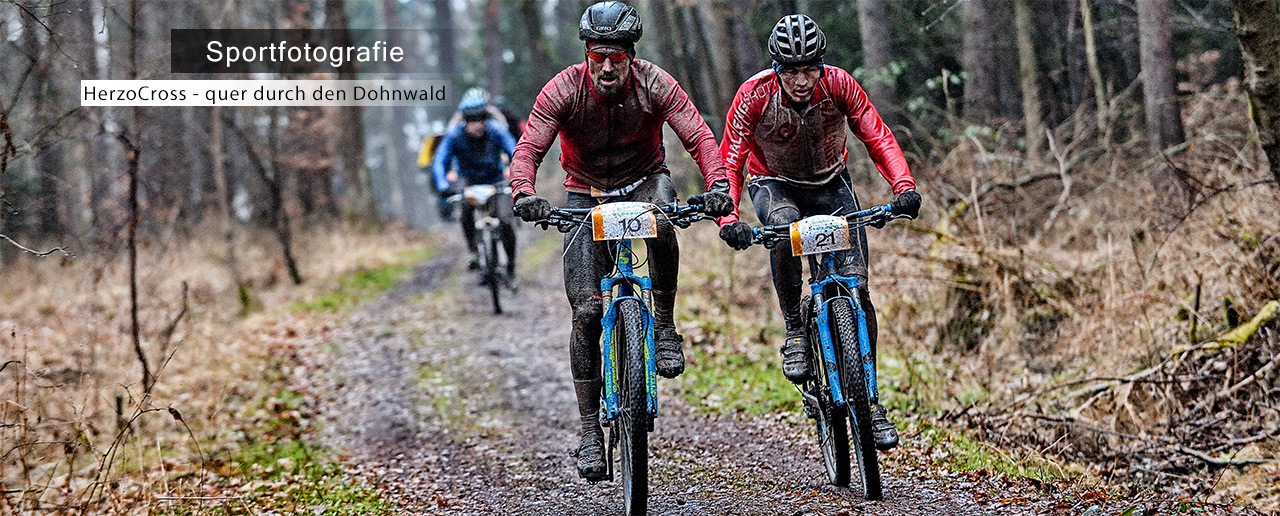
(288, 477)
(725, 382)
(958, 451)
(364, 284)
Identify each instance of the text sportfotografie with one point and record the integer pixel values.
(283, 51)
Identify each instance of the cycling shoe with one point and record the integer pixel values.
(795, 359)
(886, 436)
(670, 353)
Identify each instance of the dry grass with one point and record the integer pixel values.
(1010, 310)
(77, 430)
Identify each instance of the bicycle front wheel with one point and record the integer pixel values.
(633, 422)
(491, 269)
(853, 383)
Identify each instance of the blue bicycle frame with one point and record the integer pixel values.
(824, 331)
(626, 281)
(820, 278)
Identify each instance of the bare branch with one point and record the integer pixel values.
(66, 251)
(1216, 461)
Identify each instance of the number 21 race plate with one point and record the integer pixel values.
(819, 234)
(623, 220)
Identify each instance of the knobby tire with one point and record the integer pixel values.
(633, 422)
(490, 245)
(857, 400)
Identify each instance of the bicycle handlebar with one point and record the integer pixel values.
(566, 219)
(876, 216)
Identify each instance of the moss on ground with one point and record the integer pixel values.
(362, 285)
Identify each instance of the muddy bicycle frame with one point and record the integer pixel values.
(628, 285)
(821, 276)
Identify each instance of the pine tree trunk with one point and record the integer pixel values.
(1095, 73)
(981, 98)
(1257, 24)
(1164, 122)
(540, 61)
(747, 57)
(358, 197)
(874, 22)
(1030, 79)
(446, 38)
(493, 46)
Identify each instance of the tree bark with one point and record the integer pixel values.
(446, 37)
(540, 61)
(46, 216)
(216, 157)
(1095, 73)
(1164, 122)
(672, 58)
(981, 87)
(748, 58)
(493, 46)
(358, 198)
(1030, 79)
(874, 24)
(133, 147)
(1257, 25)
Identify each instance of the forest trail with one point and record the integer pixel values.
(450, 409)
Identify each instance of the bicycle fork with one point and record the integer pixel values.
(828, 342)
(626, 281)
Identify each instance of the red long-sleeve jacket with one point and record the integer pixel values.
(609, 143)
(767, 138)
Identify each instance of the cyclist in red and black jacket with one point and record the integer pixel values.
(609, 111)
(786, 128)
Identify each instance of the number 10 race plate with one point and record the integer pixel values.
(819, 234)
(623, 220)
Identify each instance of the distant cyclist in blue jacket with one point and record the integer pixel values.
(471, 154)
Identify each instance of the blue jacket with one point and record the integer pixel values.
(479, 160)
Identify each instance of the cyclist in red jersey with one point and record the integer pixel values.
(609, 111)
(786, 128)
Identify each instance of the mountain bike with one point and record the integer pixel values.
(630, 394)
(484, 197)
(843, 388)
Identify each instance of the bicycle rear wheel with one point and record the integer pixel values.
(857, 400)
(633, 422)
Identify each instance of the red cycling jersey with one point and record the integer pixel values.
(768, 138)
(610, 143)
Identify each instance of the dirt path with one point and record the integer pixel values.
(452, 410)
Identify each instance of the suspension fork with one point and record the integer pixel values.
(820, 278)
(626, 281)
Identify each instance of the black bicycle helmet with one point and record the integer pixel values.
(612, 22)
(796, 39)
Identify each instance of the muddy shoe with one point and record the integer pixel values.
(882, 429)
(670, 354)
(795, 359)
(590, 454)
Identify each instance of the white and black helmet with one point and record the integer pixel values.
(796, 39)
(610, 21)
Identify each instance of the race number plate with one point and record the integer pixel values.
(623, 220)
(819, 234)
(479, 194)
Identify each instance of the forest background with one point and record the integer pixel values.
(1092, 288)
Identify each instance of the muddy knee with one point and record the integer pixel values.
(782, 215)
